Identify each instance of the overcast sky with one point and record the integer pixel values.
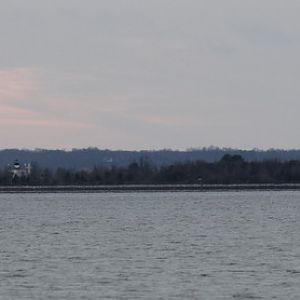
(149, 74)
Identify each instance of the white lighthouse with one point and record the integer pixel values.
(20, 171)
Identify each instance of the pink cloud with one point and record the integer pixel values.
(39, 122)
(14, 116)
(18, 83)
(167, 120)
(22, 87)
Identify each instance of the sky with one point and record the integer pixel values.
(149, 74)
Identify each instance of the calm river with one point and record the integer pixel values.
(225, 245)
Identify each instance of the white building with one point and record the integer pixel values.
(20, 171)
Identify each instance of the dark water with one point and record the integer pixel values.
(243, 245)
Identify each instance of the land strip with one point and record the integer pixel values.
(148, 188)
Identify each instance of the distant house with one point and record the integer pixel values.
(18, 171)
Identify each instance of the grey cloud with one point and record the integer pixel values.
(230, 67)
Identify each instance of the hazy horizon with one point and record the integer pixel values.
(149, 74)
(209, 148)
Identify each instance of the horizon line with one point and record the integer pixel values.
(190, 149)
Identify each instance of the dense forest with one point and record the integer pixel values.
(230, 169)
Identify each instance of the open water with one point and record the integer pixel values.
(225, 245)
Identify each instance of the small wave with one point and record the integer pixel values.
(293, 271)
(245, 296)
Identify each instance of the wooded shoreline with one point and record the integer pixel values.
(229, 172)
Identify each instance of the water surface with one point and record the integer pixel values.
(227, 245)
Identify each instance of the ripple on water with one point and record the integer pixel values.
(246, 296)
(150, 246)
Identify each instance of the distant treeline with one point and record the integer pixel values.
(231, 169)
(90, 157)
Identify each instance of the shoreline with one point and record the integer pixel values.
(149, 188)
